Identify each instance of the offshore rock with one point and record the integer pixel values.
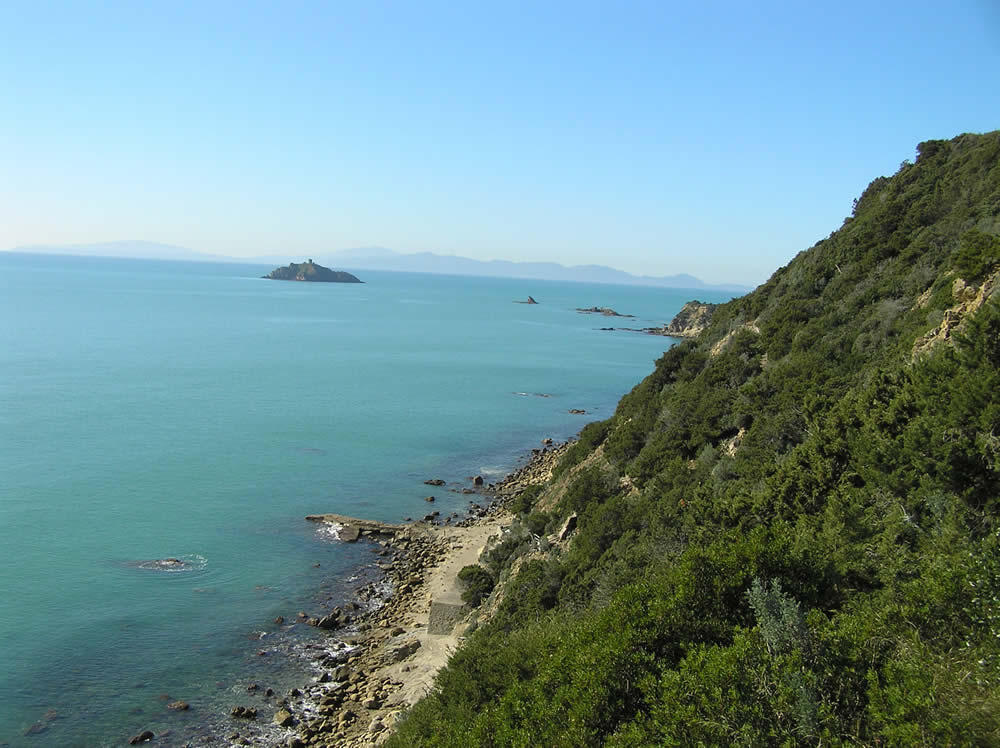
(310, 271)
(603, 310)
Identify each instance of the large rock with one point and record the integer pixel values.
(404, 650)
(568, 526)
(332, 621)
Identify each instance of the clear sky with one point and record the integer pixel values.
(717, 138)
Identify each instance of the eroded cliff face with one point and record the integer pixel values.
(968, 298)
(693, 317)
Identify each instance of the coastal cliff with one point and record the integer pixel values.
(691, 320)
(310, 271)
(788, 532)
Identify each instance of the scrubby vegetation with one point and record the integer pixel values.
(478, 583)
(788, 533)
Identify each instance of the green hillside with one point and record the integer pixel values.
(787, 533)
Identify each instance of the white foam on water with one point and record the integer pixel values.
(329, 530)
(493, 470)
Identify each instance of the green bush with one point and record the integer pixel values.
(525, 501)
(591, 436)
(536, 522)
(978, 254)
(478, 584)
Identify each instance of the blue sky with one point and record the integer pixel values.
(717, 138)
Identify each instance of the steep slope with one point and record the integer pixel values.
(788, 533)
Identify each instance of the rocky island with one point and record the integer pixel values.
(310, 271)
(603, 310)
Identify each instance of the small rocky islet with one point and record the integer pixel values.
(603, 310)
(311, 272)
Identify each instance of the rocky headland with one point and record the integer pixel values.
(310, 271)
(693, 317)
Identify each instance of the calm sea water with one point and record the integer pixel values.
(162, 409)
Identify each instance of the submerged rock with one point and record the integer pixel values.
(160, 564)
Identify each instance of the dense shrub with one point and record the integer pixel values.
(478, 583)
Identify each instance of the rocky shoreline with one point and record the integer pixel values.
(386, 649)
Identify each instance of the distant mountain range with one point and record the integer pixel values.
(380, 258)
(135, 249)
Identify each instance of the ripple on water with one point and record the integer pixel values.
(172, 564)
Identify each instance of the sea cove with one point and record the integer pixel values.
(154, 410)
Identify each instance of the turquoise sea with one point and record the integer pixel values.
(154, 410)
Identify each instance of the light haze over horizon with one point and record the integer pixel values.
(655, 137)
